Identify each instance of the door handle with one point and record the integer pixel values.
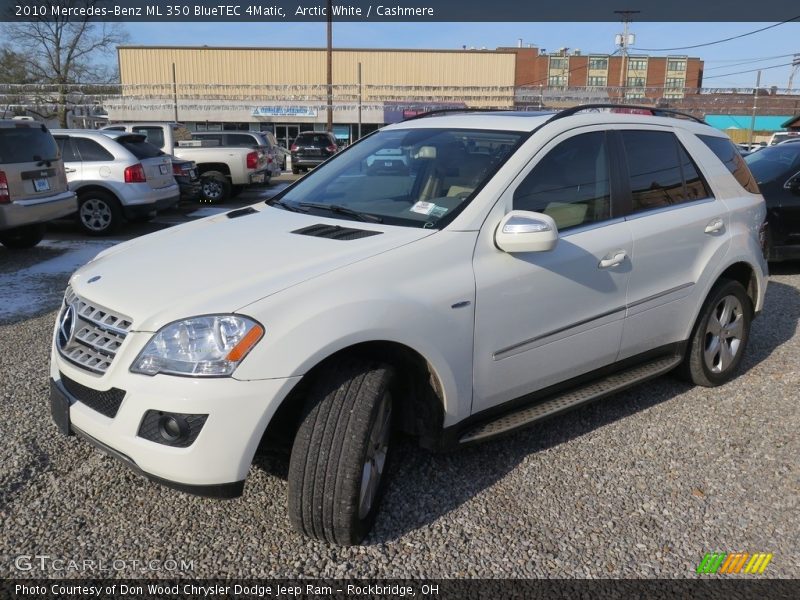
(715, 226)
(68, 170)
(612, 259)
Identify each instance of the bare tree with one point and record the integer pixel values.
(66, 50)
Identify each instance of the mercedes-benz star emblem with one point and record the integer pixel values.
(66, 326)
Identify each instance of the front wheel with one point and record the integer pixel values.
(719, 337)
(23, 237)
(336, 470)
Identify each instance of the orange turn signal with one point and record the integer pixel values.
(241, 349)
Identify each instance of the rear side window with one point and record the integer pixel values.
(90, 150)
(68, 151)
(154, 135)
(730, 157)
(571, 183)
(241, 140)
(26, 144)
(661, 172)
(140, 149)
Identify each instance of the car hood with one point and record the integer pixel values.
(220, 264)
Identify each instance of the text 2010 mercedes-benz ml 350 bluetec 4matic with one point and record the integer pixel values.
(452, 278)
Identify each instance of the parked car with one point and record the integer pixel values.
(223, 170)
(261, 141)
(777, 171)
(575, 255)
(782, 136)
(312, 148)
(33, 186)
(117, 176)
(188, 178)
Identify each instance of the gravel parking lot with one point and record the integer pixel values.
(639, 485)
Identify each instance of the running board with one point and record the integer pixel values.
(593, 390)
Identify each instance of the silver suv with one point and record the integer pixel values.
(117, 176)
(33, 188)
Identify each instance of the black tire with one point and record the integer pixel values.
(296, 170)
(706, 362)
(20, 238)
(332, 448)
(99, 213)
(216, 187)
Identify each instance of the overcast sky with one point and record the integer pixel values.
(722, 60)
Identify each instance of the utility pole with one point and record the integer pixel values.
(359, 100)
(330, 67)
(793, 72)
(174, 93)
(755, 106)
(623, 40)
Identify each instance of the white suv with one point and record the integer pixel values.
(512, 266)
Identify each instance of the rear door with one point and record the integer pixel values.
(29, 158)
(157, 165)
(680, 233)
(72, 159)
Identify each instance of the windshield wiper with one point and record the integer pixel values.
(343, 210)
(284, 205)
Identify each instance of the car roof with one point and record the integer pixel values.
(95, 133)
(12, 123)
(528, 121)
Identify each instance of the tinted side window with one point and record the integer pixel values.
(571, 183)
(730, 157)
(241, 141)
(68, 152)
(656, 166)
(91, 150)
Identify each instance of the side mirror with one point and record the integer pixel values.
(525, 231)
(793, 184)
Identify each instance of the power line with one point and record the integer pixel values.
(748, 62)
(749, 71)
(735, 37)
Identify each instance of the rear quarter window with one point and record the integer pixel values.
(733, 161)
(140, 149)
(26, 144)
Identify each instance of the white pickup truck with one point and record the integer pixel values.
(224, 171)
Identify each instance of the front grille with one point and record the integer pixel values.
(106, 403)
(93, 340)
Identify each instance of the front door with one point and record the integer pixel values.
(545, 317)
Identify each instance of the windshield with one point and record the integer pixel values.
(411, 177)
(774, 162)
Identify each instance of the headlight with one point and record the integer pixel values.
(210, 346)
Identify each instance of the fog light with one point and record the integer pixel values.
(173, 428)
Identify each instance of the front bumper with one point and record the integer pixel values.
(217, 461)
(40, 210)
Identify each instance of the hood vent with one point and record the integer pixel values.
(334, 232)
(240, 212)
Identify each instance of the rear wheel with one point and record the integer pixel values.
(336, 470)
(23, 237)
(296, 170)
(720, 336)
(216, 187)
(99, 213)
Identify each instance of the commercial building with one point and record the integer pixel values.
(284, 89)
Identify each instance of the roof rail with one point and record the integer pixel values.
(463, 109)
(654, 111)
